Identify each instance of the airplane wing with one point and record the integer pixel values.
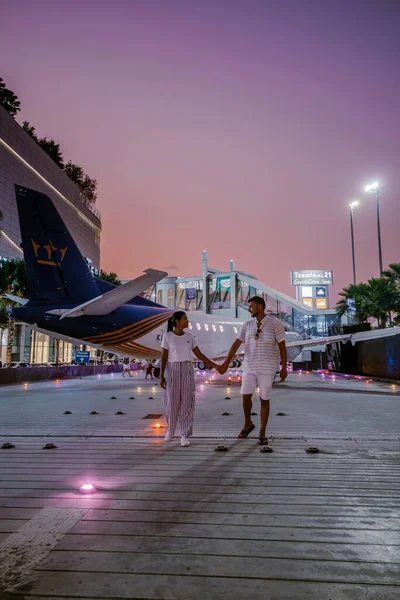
(16, 299)
(353, 337)
(106, 303)
(319, 341)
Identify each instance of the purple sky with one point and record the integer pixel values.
(240, 127)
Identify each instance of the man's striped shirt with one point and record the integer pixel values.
(261, 356)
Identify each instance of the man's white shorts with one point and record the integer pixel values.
(251, 381)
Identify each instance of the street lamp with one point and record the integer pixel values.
(352, 206)
(376, 189)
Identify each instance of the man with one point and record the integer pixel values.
(264, 341)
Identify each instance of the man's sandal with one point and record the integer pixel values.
(245, 432)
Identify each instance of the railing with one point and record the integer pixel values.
(93, 209)
(300, 324)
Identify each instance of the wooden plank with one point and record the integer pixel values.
(221, 566)
(267, 548)
(11, 525)
(151, 587)
(112, 510)
(18, 513)
(216, 464)
(379, 524)
(263, 509)
(172, 499)
(307, 534)
(110, 503)
(205, 476)
(296, 488)
(250, 482)
(22, 551)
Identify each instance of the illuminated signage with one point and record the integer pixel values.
(306, 291)
(321, 302)
(190, 294)
(187, 284)
(219, 284)
(320, 292)
(308, 302)
(223, 283)
(315, 277)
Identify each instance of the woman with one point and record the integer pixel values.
(177, 376)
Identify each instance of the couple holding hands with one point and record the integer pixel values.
(264, 348)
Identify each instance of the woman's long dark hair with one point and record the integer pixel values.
(177, 316)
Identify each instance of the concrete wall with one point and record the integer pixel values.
(14, 171)
(375, 358)
(28, 374)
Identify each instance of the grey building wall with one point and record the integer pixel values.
(17, 146)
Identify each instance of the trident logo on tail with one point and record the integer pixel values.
(49, 254)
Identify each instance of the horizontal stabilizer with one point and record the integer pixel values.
(106, 303)
(16, 299)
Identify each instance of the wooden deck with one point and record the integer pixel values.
(190, 523)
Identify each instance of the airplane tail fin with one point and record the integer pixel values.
(56, 271)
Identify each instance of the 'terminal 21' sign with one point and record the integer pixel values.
(314, 277)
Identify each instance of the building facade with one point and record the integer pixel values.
(227, 294)
(23, 162)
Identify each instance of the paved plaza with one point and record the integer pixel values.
(191, 523)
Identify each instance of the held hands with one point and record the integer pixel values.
(222, 368)
(214, 365)
(163, 383)
(283, 374)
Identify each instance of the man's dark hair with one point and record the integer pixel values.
(258, 300)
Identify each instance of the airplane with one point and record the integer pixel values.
(68, 301)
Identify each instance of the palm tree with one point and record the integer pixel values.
(110, 277)
(355, 301)
(12, 281)
(384, 297)
(8, 99)
(393, 272)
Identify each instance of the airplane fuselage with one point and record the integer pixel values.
(137, 331)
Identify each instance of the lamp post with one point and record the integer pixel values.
(352, 206)
(376, 189)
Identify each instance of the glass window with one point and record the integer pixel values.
(160, 297)
(220, 292)
(170, 298)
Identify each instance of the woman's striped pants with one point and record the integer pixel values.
(179, 397)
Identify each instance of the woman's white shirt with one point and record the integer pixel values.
(179, 346)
